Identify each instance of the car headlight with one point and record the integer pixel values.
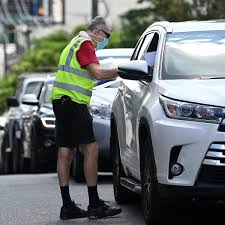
(48, 122)
(190, 111)
(100, 111)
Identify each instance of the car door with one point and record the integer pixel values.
(134, 92)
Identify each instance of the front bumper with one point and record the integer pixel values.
(196, 141)
(200, 190)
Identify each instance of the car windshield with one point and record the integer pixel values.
(194, 55)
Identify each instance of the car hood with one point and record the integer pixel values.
(104, 96)
(46, 110)
(208, 91)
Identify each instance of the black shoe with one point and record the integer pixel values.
(72, 211)
(102, 210)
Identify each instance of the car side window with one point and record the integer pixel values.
(137, 49)
(149, 48)
(145, 45)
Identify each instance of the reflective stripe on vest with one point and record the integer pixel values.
(70, 69)
(72, 88)
(70, 55)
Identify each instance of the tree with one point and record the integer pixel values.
(208, 9)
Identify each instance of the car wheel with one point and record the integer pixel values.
(6, 166)
(24, 162)
(78, 169)
(16, 155)
(150, 195)
(121, 194)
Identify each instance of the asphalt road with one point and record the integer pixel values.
(35, 200)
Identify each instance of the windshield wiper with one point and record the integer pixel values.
(216, 77)
(206, 78)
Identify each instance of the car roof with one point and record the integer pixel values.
(111, 52)
(187, 26)
(35, 76)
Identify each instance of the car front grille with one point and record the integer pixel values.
(213, 168)
(212, 174)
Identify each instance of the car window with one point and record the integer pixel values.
(137, 49)
(145, 46)
(34, 88)
(191, 55)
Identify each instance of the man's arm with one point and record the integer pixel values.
(100, 73)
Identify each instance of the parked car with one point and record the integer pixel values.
(3, 121)
(27, 84)
(38, 132)
(167, 121)
(100, 108)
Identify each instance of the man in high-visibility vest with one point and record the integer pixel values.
(71, 93)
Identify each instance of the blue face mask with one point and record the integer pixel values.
(102, 44)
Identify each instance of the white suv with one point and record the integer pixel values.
(168, 126)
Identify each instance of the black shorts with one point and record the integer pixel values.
(73, 123)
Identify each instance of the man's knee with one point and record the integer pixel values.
(65, 154)
(90, 150)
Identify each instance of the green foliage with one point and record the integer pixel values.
(208, 9)
(115, 40)
(134, 22)
(176, 10)
(7, 88)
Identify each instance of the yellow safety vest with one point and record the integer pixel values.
(71, 79)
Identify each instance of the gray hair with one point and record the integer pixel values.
(98, 21)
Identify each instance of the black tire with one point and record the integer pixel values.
(121, 194)
(34, 150)
(16, 155)
(78, 168)
(150, 195)
(6, 162)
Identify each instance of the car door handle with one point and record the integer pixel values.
(127, 96)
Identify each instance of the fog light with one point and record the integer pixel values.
(176, 169)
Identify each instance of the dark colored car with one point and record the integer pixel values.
(38, 133)
(10, 147)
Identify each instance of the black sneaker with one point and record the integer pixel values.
(72, 211)
(103, 210)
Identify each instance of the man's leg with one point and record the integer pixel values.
(69, 209)
(90, 152)
(97, 207)
(65, 157)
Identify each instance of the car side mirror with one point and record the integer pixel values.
(135, 70)
(12, 101)
(30, 99)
